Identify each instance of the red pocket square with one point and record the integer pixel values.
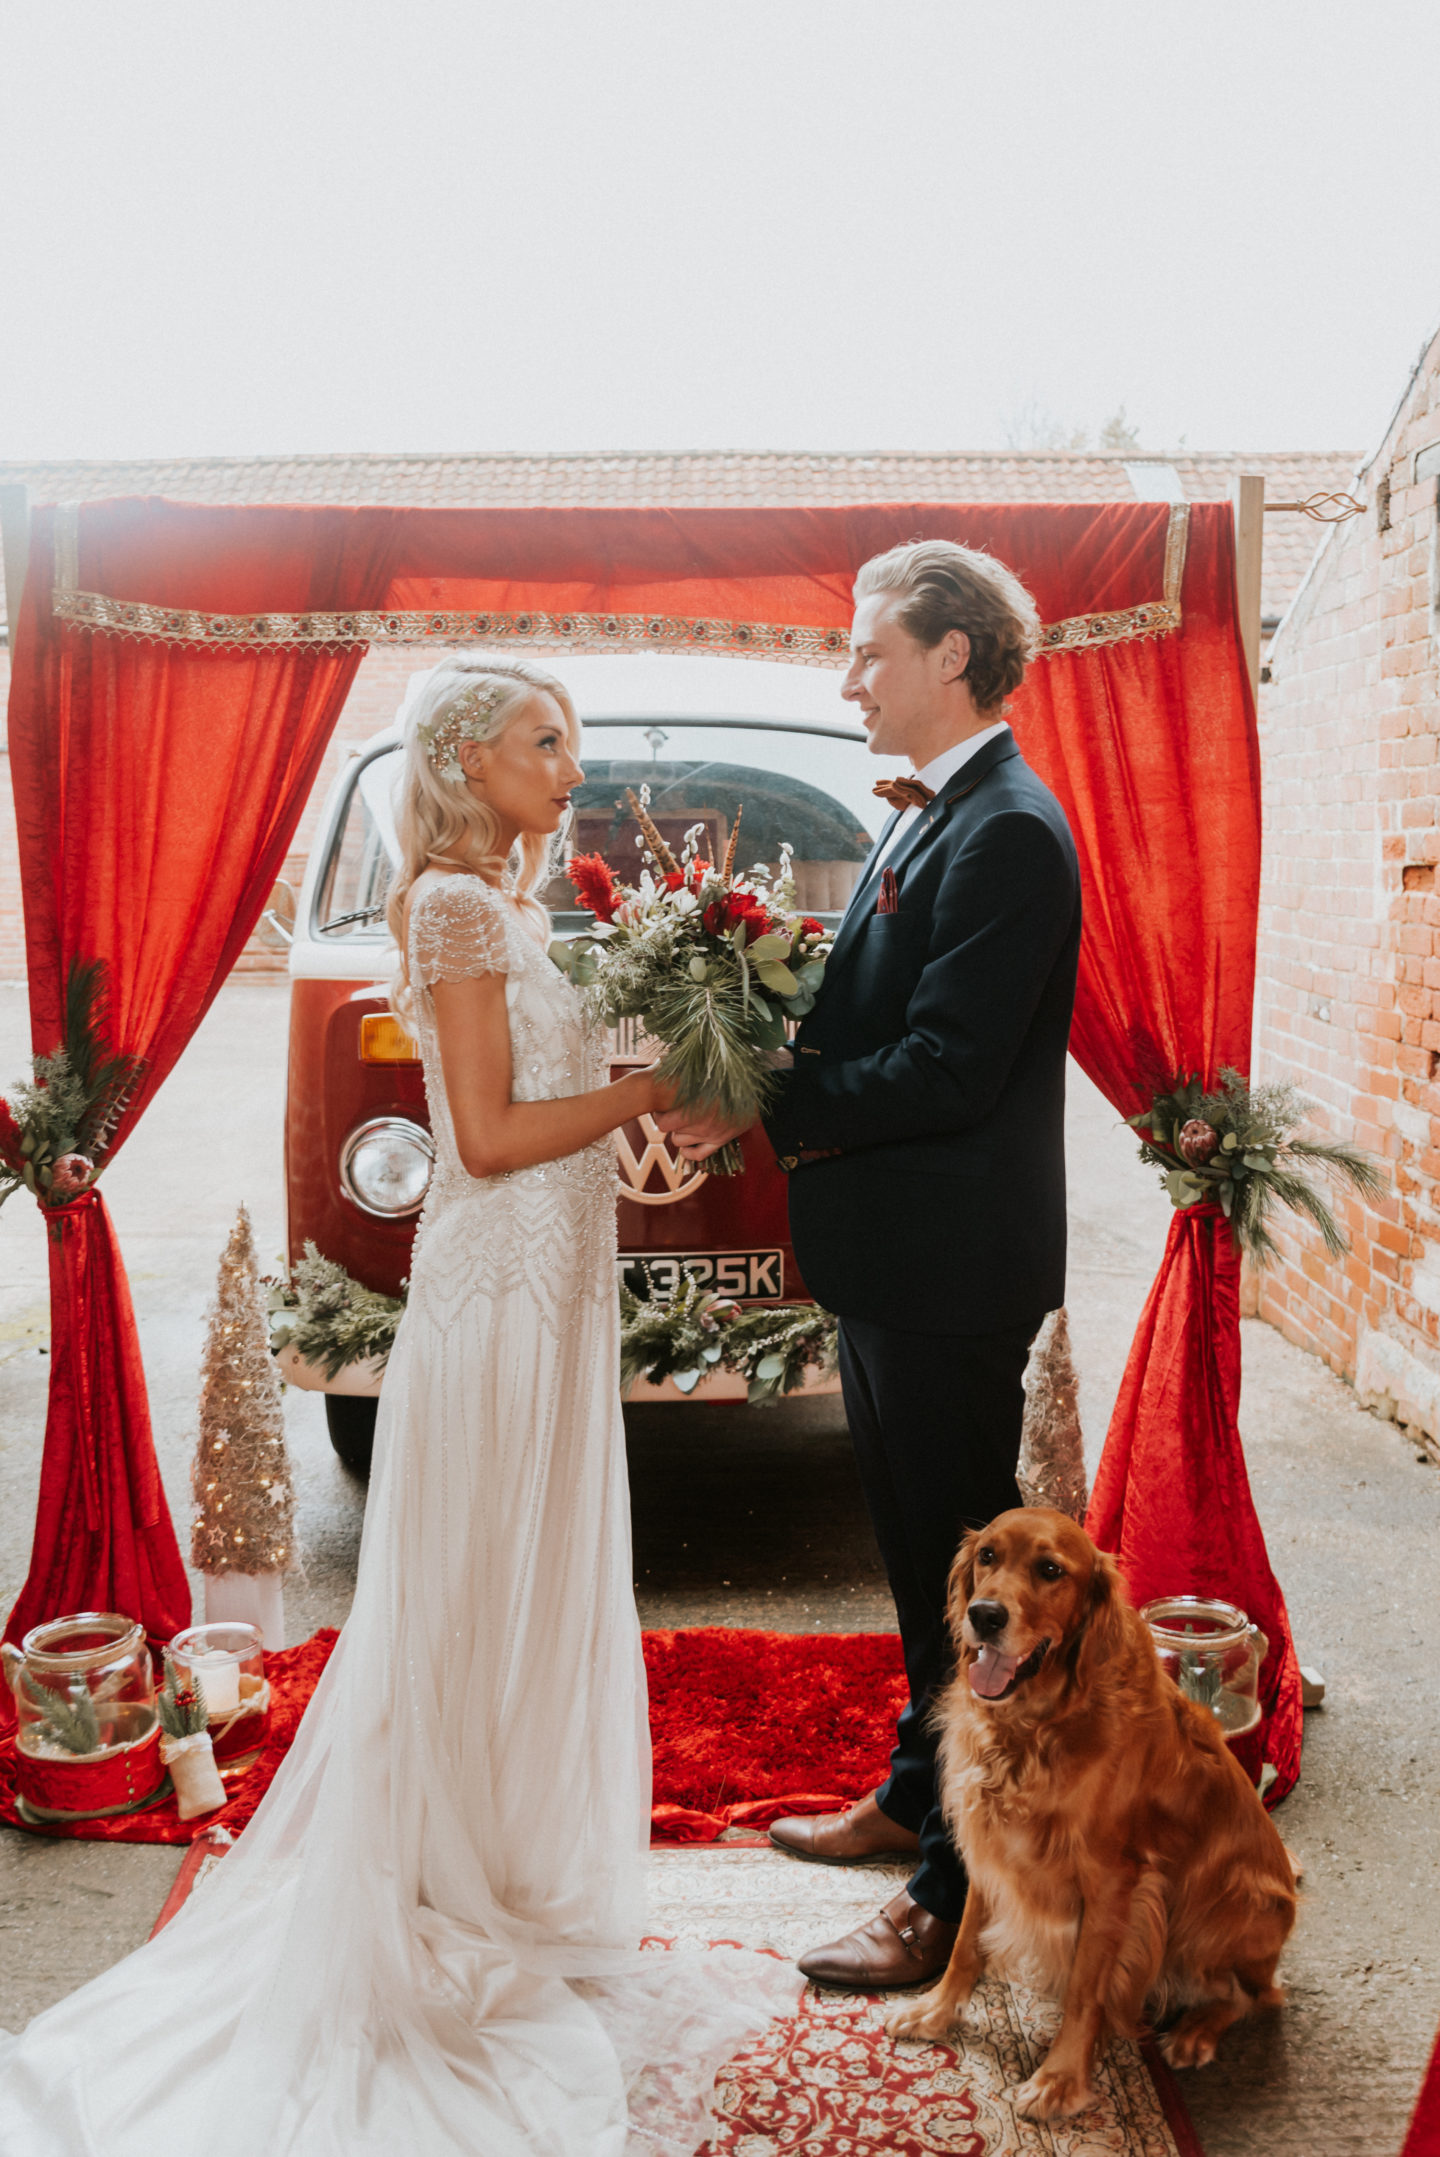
(889, 899)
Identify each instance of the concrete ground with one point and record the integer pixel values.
(754, 1518)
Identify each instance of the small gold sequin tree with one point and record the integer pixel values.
(244, 1496)
(1052, 1455)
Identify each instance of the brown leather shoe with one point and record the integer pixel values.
(845, 1838)
(904, 1945)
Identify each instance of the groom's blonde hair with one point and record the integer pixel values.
(945, 586)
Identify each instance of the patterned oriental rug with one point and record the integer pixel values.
(746, 1726)
(828, 2082)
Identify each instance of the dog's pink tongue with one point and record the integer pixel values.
(991, 1672)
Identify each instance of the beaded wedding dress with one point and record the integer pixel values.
(427, 1941)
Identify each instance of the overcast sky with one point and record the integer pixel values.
(672, 224)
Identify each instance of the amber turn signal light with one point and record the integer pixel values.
(383, 1040)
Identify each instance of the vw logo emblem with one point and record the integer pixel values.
(672, 1176)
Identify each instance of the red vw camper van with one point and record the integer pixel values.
(358, 1155)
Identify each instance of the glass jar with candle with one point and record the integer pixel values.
(229, 1664)
(87, 1738)
(1213, 1653)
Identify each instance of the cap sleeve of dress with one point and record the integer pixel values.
(457, 931)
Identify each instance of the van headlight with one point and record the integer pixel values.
(386, 1166)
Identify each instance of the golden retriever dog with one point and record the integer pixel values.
(1119, 1858)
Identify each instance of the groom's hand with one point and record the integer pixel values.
(697, 1136)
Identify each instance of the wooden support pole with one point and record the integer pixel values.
(15, 533)
(1247, 492)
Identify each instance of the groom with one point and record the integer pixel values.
(922, 1129)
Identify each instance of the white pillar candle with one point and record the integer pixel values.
(219, 1675)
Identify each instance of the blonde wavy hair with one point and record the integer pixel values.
(442, 816)
(944, 586)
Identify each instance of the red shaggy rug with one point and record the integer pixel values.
(745, 1725)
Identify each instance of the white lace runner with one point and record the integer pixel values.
(427, 1940)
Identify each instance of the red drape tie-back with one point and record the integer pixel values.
(1172, 1498)
(101, 1501)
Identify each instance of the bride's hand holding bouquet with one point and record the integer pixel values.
(715, 966)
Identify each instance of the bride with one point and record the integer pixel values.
(427, 1941)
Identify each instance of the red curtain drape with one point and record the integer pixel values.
(1152, 749)
(156, 793)
(1423, 2138)
(158, 787)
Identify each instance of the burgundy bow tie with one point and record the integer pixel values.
(904, 793)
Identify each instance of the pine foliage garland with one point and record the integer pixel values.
(58, 1125)
(333, 1321)
(244, 1496)
(1240, 1148)
(330, 1318)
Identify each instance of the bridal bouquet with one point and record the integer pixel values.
(714, 966)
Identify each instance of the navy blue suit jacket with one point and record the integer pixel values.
(932, 1069)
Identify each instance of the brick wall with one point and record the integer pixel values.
(1348, 996)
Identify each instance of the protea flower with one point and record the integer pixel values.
(1198, 1141)
(69, 1175)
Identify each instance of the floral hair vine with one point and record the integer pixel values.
(465, 720)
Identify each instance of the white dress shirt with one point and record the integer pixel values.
(937, 775)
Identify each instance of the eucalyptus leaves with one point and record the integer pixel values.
(1238, 1147)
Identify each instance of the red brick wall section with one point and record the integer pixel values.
(1348, 997)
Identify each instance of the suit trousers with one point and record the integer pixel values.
(935, 1421)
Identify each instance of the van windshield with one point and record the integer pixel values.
(810, 785)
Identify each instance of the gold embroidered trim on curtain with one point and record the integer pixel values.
(566, 632)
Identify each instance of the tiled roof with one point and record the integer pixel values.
(714, 477)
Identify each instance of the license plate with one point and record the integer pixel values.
(744, 1274)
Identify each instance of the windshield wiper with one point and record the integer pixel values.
(345, 921)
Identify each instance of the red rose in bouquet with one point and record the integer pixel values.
(724, 914)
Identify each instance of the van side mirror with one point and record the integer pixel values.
(279, 915)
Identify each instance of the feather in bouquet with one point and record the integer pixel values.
(715, 966)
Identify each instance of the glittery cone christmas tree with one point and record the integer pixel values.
(244, 1534)
(1052, 1455)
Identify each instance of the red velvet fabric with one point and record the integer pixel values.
(107, 1543)
(156, 792)
(1153, 751)
(1423, 2139)
(785, 565)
